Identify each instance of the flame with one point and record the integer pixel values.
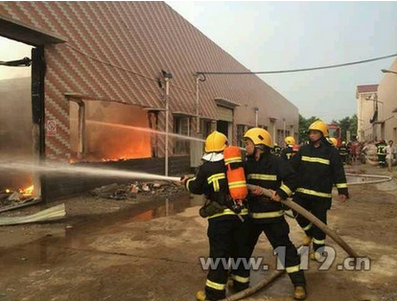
(27, 191)
(8, 191)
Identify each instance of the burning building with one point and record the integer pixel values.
(109, 79)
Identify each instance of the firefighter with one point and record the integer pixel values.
(267, 170)
(333, 141)
(320, 167)
(277, 149)
(343, 152)
(227, 230)
(290, 148)
(380, 152)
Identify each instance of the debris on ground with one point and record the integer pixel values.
(130, 191)
(53, 213)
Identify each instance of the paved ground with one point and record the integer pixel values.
(148, 250)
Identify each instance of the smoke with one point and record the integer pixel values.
(16, 125)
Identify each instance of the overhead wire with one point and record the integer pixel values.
(294, 70)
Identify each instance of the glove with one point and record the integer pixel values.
(210, 209)
(257, 191)
(183, 180)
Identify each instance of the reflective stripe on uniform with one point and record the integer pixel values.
(316, 160)
(244, 212)
(268, 214)
(262, 176)
(237, 184)
(314, 193)
(341, 185)
(292, 269)
(214, 285)
(308, 227)
(214, 180)
(316, 241)
(240, 279)
(225, 212)
(229, 212)
(286, 189)
(233, 160)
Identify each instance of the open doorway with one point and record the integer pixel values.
(17, 138)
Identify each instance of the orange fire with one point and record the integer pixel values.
(8, 191)
(28, 191)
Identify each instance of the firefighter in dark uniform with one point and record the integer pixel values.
(269, 171)
(277, 149)
(319, 167)
(380, 152)
(291, 148)
(333, 141)
(227, 227)
(343, 152)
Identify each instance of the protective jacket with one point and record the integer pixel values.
(211, 181)
(288, 152)
(277, 150)
(380, 148)
(270, 172)
(343, 151)
(227, 232)
(319, 169)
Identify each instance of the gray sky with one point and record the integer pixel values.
(267, 36)
(11, 50)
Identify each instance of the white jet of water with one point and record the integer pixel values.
(59, 169)
(122, 126)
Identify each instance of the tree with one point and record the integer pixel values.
(346, 124)
(353, 126)
(303, 126)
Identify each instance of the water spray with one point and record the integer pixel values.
(59, 169)
(144, 130)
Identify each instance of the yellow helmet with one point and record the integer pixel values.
(259, 136)
(319, 126)
(215, 142)
(289, 140)
(334, 141)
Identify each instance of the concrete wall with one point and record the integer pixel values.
(388, 95)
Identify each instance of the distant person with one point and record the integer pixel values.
(390, 151)
(353, 151)
(333, 141)
(277, 149)
(380, 152)
(343, 152)
(291, 148)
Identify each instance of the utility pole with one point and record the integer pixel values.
(167, 77)
(199, 78)
(167, 91)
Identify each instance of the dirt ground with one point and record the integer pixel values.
(148, 249)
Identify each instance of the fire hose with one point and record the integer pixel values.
(275, 274)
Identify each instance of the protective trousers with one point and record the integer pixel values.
(228, 243)
(277, 232)
(318, 207)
